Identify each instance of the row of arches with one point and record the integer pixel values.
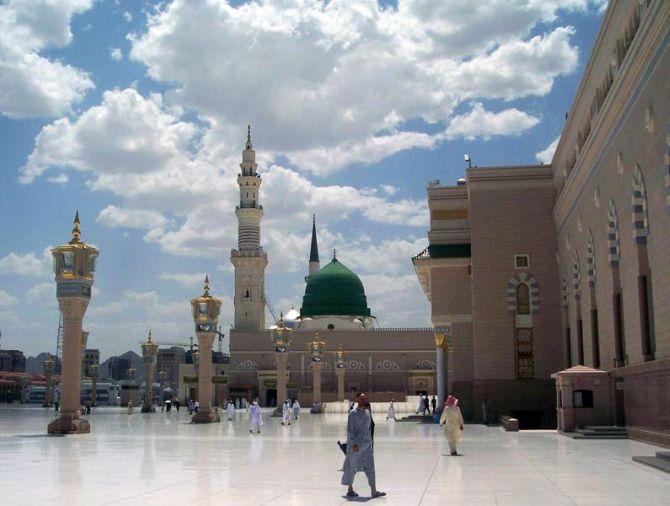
(641, 230)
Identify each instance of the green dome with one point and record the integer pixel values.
(334, 290)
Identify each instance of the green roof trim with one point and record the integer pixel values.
(446, 251)
(334, 290)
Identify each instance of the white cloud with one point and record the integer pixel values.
(127, 16)
(113, 216)
(485, 124)
(346, 76)
(115, 53)
(547, 154)
(188, 280)
(7, 301)
(42, 292)
(30, 84)
(59, 179)
(28, 264)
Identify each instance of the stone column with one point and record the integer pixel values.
(280, 357)
(340, 384)
(69, 422)
(161, 385)
(205, 413)
(48, 382)
(148, 405)
(449, 352)
(95, 372)
(316, 390)
(441, 372)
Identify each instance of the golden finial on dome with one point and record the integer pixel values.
(206, 292)
(76, 233)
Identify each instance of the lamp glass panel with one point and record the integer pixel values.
(202, 308)
(91, 263)
(67, 258)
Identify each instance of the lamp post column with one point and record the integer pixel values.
(316, 368)
(280, 357)
(48, 382)
(149, 352)
(340, 371)
(74, 268)
(441, 350)
(206, 310)
(205, 413)
(95, 373)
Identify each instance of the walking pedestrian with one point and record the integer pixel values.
(255, 418)
(286, 413)
(433, 404)
(453, 420)
(360, 449)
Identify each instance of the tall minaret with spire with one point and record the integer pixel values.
(314, 264)
(249, 259)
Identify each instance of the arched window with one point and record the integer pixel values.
(640, 214)
(246, 295)
(613, 234)
(522, 299)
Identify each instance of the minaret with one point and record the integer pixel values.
(314, 265)
(249, 259)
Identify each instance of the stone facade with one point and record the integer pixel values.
(400, 361)
(568, 264)
(611, 170)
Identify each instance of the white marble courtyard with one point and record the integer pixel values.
(161, 459)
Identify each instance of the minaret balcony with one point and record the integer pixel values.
(249, 206)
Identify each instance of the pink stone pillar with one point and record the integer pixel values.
(316, 391)
(205, 414)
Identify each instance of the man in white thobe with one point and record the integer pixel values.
(360, 454)
(286, 413)
(255, 418)
(296, 409)
(230, 409)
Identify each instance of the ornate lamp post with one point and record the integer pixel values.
(281, 339)
(149, 353)
(206, 310)
(316, 350)
(48, 382)
(95, 374)
(74, 268)
(340, 370)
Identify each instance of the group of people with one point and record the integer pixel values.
(359, 448)
(290, 410)
(426, 404)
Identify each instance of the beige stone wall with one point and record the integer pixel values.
(630, 130)
(511, 214)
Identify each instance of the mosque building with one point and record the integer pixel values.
(384, 362)
(529, 269)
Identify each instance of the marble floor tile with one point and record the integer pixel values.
(160, 458)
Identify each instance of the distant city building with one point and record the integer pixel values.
(168, 360)
(91, 357)
(12, 361)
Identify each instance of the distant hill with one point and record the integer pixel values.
(35, 365)
(135, 360)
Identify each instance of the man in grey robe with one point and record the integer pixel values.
(360, 451)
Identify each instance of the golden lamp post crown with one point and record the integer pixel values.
(206, 310)
(48, 366)
(339, 358)
(74, 265)
(281, 335)
(149, 349)
(316, 348)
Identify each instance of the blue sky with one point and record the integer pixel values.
(136, 116)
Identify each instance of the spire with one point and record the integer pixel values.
(206, 292)
(314, 250)
(149, 336)
(75, 231)
(334, 254)
(249, 145)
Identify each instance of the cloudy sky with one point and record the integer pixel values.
(135, 113)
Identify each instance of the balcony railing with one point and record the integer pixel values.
(445, 251)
